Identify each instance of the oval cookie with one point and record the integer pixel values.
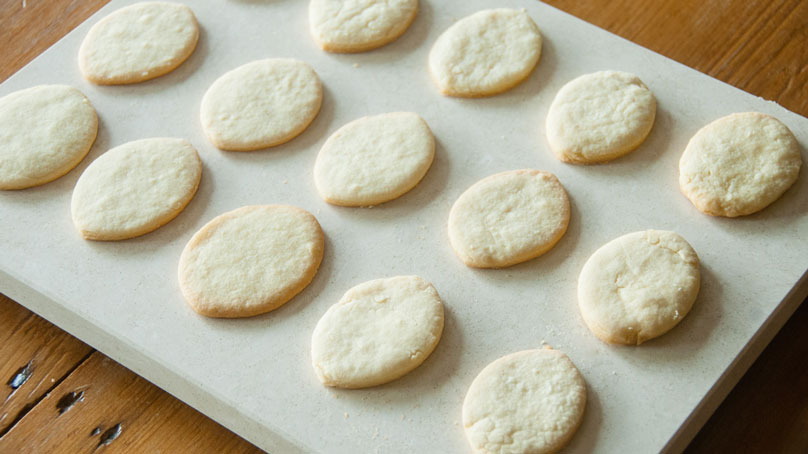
(250, 260)
(509, 218)
(739, 164)
(599, 117)
(261, 104)
(379, 331)
(135, 188)
(527, 402)
(45, 131)
(638, 286)
(485, 53)
(138, 42)
(374, 159)
(359, 25)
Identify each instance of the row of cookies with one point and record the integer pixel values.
(128, 191)
(149, 39)
(362, 200)
(594, 118)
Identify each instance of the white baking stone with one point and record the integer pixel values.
(123, 297)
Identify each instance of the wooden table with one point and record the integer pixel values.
(62, 396)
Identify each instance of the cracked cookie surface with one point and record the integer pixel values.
(739, 164)
(638, 286)
(600, 116)
(374, 159)
(135, 188)
(138, 42)
(45, 131)
(261, 104)
(529, 402)
(378, 331)
(509, 218)
(359, 25)
(250, 260)
(485, 53)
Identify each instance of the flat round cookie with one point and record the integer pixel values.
(261, 104)
(508, 218)
(599, 117)
(638, 286)
(138, 42)
(379, 331)
(485, 53)
(359, 25)
(374, 159)
(45, 131)
(250, 260)
(135, 188)
(739, 164)
(527, 402)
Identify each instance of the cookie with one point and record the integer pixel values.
(527, 402)
(739, 164)
(638, 286)
(135, 188)
(509, 218)
(250, 260)
(359, 25)
(138, 42)
(379, 331)
(599, 117)
(261, 104)
(485, 53)
(45, 131)
(374, 159)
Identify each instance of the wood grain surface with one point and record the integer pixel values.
(61, 396)
(103, 407)
(36, 356)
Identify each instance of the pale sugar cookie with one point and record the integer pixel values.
(739, 164)
(250, 260)
(374, 159)
(638, 286)
(485, 53)
(359, 25)
(261, 104)
(138, 42)
(509, 218)
(379, 331)
(135, 188)
(44, 132)
(529, 402)
(599, 117)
